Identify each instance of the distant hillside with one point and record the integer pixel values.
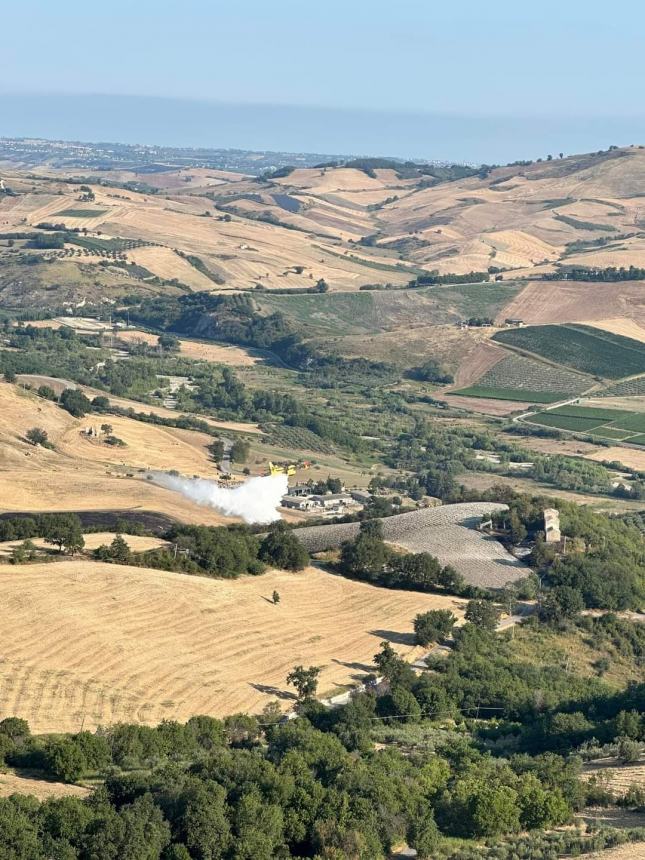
(75, 226)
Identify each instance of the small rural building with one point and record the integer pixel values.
(552, 525)
(298, 503)
(332, 500)
(510, 321)
(363, 497)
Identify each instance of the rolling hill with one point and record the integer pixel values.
(172, 227)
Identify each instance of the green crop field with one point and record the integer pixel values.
(82, 213)
(611, 433)
(490, 393)
(615, 424)
(580, 347)
(566, 422)
(373, 311)
(602, 415)
(634, 421)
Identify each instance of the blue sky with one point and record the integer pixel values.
(482, 61)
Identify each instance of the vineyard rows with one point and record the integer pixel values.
(448, 532)
(580, 347)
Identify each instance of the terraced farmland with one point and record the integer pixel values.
(447, 532)
(580, 347)
(517, 377)
(616, 424)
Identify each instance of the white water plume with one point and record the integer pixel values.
(255, 501)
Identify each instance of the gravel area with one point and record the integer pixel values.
(447, 532)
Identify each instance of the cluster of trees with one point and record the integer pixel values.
(437, 456)
(610, 274)
(221, 551)
(369, 558)
(430, 371)
(61, 530)
(65, 354)
(235, 319)
(604, 563)
(263, 788)
(451, 278)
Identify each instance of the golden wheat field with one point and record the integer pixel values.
(86, 643)
(619, 777)
(43, 789)
(236, 356)
(85, 474)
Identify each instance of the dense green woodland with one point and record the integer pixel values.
(255, 788)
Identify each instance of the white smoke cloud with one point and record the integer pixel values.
(255, 501)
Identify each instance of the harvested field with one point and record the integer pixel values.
(43, 789)
(77, 477)
(617, 777)
(629, 457)
(111, 643)
(633, 851)
(137, 543)
(447, 532)
(479, 363)
(541, 303)
(621, 326)
(147, 446)
(167, 264)
(236, 356)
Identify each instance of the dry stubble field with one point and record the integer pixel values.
(84, 474)
(89, 644)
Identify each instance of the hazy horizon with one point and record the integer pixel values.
(194, 123)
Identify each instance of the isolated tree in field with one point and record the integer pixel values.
(120, 551)
(216, 450)
(304, 680)
(275, 597)
(281, 548)
(107, 429)
(75, 402)
(169, 343)
(482, 613)
(47, 392)
(37, 436)
(240, 451)
(64, 530)
(433, 626)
